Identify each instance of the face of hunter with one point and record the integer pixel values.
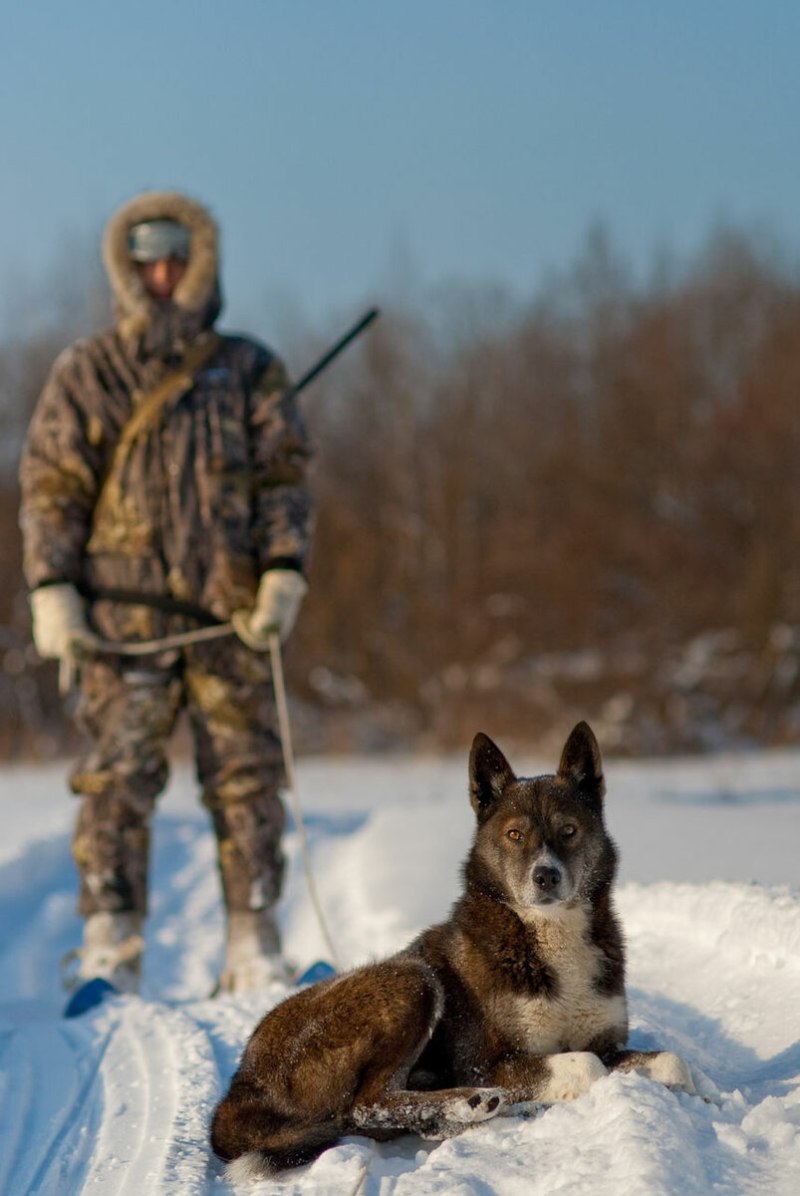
(160, 251)
(161, 277)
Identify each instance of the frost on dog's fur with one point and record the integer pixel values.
(452, 1115)
(518, 997)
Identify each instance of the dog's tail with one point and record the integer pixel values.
(249, 1167)
(256, 1141)
(259, 1164)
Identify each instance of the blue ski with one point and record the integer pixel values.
(94, 992)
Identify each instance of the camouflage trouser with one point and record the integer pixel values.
(130, 710)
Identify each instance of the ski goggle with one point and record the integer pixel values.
(155, 240)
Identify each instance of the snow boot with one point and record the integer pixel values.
(253, 957)
(112, 951)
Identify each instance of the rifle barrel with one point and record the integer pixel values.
(336, 349)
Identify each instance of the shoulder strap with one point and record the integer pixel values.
(147, 411)
(169, 387)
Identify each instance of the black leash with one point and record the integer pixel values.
(162, 602)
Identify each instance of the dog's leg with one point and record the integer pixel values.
(383, 1105)
(663, 1066)
(546, 1078)
(439, 1114)
(314, 1058)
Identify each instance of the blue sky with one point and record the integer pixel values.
(348, 146)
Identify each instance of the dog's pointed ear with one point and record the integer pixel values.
(581, 763)
(489, 774)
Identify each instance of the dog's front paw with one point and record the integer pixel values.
(668, 1068)
(570, 1075)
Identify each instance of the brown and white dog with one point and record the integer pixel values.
(519, 996)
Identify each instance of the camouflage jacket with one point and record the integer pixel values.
(209, 496)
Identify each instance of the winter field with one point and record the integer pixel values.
(118, 1102)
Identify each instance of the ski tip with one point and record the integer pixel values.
(321, 970)
(90, 994)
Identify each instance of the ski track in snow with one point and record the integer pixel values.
(118, 1102)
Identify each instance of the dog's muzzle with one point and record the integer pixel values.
(546, 879)
(549, 881)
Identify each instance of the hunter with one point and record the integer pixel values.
(164, 477)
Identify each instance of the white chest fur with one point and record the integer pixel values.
(577, 1013)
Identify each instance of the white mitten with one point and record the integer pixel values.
(59, 621)
(280, 593)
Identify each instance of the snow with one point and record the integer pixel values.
(118, 1102)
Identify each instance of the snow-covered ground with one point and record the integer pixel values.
(118, 1102)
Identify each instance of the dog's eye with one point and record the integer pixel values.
(514, 835)
(568, 831)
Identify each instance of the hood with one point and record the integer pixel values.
(196, 295)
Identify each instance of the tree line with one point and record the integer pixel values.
(583, 503)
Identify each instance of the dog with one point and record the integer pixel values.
(518, 997)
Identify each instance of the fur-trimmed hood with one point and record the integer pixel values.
(197, 290)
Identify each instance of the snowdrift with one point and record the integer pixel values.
(119, 1101)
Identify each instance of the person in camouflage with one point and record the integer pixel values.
(207, 505)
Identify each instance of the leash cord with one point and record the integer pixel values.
(291, 780)
(181, 639)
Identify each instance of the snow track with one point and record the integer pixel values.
(118, 1102)
(50, 1096)
(156, 1056)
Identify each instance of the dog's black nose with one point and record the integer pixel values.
(546, 878)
